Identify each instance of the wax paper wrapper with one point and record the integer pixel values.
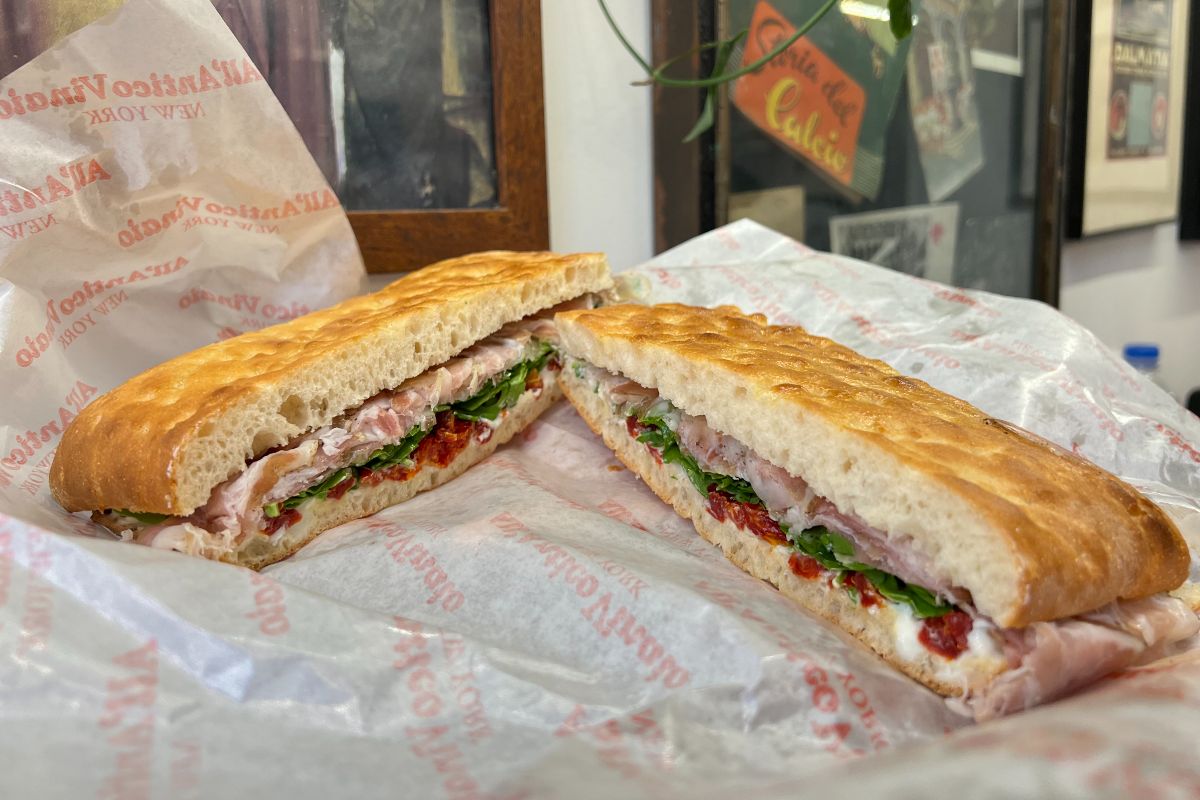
(542, 626)
(154, 197)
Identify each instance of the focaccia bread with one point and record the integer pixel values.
(831, 475)
(163, 442)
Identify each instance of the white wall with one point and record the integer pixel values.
(598, 130)
(1142, 286)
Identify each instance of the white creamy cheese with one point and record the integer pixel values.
(906, 628)
(980, 641)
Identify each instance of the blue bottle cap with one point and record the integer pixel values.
(1141, 352)
(1141, 355)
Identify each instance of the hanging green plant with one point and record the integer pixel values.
(900, 19)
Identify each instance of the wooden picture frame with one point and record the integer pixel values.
(391, 240)
(1189, 191)
(404, 240)
(1110, 192)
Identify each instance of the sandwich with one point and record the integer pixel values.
(245, 450)
(989, 564)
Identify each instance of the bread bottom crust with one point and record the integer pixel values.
(874, 626)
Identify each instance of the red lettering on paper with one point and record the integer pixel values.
(430, 741)
(824, 695)
(33, 440)
(279, 311)
(128, 723)
(270, 609)
(606, 619)
(413, 555)
(63, 326)
(70, 178)
(197, 210)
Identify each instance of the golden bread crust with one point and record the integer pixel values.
(162, 441)
(1032, 531)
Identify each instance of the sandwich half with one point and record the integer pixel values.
(245, 450)
(990, 565)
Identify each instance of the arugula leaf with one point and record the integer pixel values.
(835, 552)
(391, 454)
(144, 517)
(384, 457)
(321, 489)
(499, 393)
(503, 391)
(659, 436)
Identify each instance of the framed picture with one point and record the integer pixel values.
(1127, 119)
(940, 155)
(919, 240)
(1189, 191)
(996, 32)
(425, 116)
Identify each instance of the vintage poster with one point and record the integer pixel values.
(916, 240)
(941, 93)
(827, 98)
(996, 36)
(1138, 105)
(1127, 171)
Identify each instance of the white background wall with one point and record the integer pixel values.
(1134, 286)
(598, 130)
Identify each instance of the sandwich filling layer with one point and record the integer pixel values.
(930, 616)
(427, 420)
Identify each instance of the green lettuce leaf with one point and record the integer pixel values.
(321, 489)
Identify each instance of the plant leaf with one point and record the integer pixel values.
(900, 15)
(707, 115)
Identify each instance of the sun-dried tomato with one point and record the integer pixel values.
(867, 594)
(946, 635)
(339, 491)
(746, 516)
(805, 566)
(448, 438)
(287, 517)
(635, 428)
